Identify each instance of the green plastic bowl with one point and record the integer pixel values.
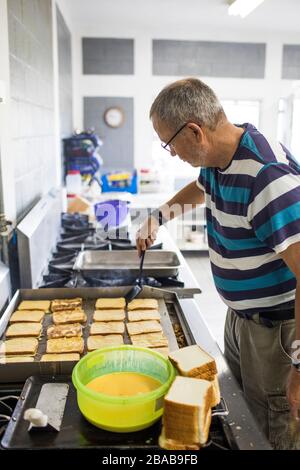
(122, 414)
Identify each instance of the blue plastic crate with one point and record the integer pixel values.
(121, 185)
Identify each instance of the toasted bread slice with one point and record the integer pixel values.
(189, 403)
(69, 316)
(43, 305)
(143, 304)
(103, 341)
(58, 305)
(140, 327)
(109, 315)
(141, 315)
(23, 330)
(107, 328)
(60, 357)
(150, 340)
(19, 346)
(193, 361)
(28, 316)
(110, 303)
(10, 359)
(64, 331)
(65, 345)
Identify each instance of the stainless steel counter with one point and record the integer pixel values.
(5, 290)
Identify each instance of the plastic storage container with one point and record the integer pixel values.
(112, 213)
(73, 182)
(122, 414)
(120, 181)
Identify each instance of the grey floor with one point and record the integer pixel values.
(210, 304)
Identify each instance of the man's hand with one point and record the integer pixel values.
(293, 393)
(146, 235)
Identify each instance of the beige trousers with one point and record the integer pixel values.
(258, 358)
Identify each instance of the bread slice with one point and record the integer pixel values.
(107, 328)
(111, 303)
(141, 315)
(189, 403)
(103, 341)
(43, 305)
(19, 346)
(117, 314)
(142, 304)
(192, 361)
(140, 327)
(65, 345)
(10, 359)
(17, 330)
(216, 391)
(150, 340)
(69, 316)
(60, 357)
(171, 444)
(30, 316)
(64, 331)
(58, 305)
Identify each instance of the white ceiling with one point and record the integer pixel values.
(272, 15)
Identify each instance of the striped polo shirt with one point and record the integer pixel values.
(253, 214)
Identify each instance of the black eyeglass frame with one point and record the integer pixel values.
(164, 146)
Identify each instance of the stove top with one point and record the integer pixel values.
(63, 277)
(9, 395)
(78, 234)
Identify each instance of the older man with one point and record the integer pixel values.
(251, 188)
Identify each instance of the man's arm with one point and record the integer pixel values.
(185, 200)
(291, 256)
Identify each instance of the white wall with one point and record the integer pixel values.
(8, 194)
(143, 87)
(8, 202)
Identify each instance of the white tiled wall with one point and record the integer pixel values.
(32, 102)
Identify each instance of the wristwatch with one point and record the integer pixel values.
(296, 364)
(157, 214)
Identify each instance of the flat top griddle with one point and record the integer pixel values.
(77, 433)
(88, 306)
(17, 372)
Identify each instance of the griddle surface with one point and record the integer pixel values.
(76, 432)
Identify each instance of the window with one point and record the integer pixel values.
(238, 111)
(289, 124)
(171, 165)
(295, 140)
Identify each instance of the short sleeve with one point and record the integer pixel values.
(274, 206)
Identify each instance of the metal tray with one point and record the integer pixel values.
(156, 263)
(19, 372)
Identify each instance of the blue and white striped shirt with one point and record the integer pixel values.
(253, 214)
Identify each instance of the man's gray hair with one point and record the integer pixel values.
(188, 100)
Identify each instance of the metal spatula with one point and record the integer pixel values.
(134, 292)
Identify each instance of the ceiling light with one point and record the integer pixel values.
(243, 7)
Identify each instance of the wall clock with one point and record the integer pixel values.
(114, 117)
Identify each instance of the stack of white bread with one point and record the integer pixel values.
(188, 403)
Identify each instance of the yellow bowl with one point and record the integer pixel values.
(122, 414)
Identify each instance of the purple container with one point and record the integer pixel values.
(111, 213)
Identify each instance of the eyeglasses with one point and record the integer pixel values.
(167, 145)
